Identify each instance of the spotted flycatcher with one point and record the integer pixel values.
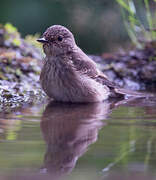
(68, 74)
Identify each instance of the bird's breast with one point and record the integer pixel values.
(63, 83)
(57, 79)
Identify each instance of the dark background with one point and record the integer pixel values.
(97, 24)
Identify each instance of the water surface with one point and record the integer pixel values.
(109, 140)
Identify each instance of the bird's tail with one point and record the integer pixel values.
(130, 93)
(117, 91)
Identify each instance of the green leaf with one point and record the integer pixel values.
(125, 6)
(18, 72)
(16, 42)
(10, 28)
(132, 6)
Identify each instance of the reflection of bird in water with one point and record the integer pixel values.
(68, 130)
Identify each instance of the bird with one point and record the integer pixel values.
(69, 75)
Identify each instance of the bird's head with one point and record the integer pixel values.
(57, 40)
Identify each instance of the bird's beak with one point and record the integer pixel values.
(42, 40)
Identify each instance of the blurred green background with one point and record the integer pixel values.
(97, 25)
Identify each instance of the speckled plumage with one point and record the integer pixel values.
(68, 74)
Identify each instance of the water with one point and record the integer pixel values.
(110, 141)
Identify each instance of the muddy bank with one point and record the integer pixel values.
(19, 69)
(134, 70)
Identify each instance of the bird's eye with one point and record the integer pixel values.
(60, 38)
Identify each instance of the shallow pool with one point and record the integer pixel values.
(109, 140)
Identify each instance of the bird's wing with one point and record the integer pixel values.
(83, 64)
(87, 66)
